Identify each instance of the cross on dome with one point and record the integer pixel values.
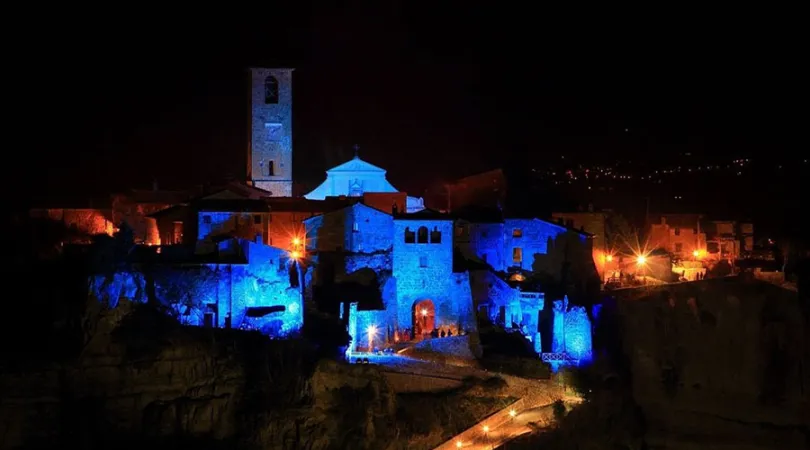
(356, 150)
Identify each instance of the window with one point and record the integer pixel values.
(257, 219)
(410, 236)
(435, 236)
(677, 231)
(517, 233)
(517, 254)
(207, 220)
(274, 133)
(423, 261)
(355, 227)
(270, 90)
(271, 168)
(422, 235)
(678, 247)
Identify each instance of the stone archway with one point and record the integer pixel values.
(424, 318)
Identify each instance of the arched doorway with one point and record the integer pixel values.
(424, 318)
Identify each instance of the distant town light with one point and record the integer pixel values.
(486, 428)
(513, 413)
(695, 253)
(459, 444)
(609, 258)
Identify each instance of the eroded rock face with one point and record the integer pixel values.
(142, 379)
(726, 360)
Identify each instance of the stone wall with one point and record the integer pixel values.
(211, 223)
(484, 241)
(357, 228)
(225, 291)
(716, 359)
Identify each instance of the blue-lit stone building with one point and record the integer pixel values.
(225, 258)
(240, 284)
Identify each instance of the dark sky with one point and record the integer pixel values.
(427, 92)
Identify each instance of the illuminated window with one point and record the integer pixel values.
(517, 254)
(423, 261)
(517, 233)
(422, 235)
(410, 236)
(270, 90)
(435, 236)
(355, 227)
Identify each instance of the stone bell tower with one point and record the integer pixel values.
(270, 152)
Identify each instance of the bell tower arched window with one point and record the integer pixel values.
(410, 236)
(435, 236)
(270, 90)
(422, 235)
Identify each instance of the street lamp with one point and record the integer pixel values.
(296, 241)
(459, 444)
(513, 413)
(295, 254)
(641, 260)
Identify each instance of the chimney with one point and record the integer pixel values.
(155, 184)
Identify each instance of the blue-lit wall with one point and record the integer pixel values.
(220, 289)
(533, 239)
(571, 335)
(355, 229)
(424, 271)
(483, 241)
(505, 305)
(215, 223)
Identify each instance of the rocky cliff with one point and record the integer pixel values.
(716, 362)
(141, 379)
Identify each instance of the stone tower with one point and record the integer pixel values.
(270, 152)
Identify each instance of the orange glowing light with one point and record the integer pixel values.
(641, 259)
(295, 255)
(296, 241)
(609, 258)
(424, 312)
(695, 253)
(459, 444)
(486, 428)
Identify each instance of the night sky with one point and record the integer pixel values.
(426, 93)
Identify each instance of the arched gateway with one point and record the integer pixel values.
(424, 318)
